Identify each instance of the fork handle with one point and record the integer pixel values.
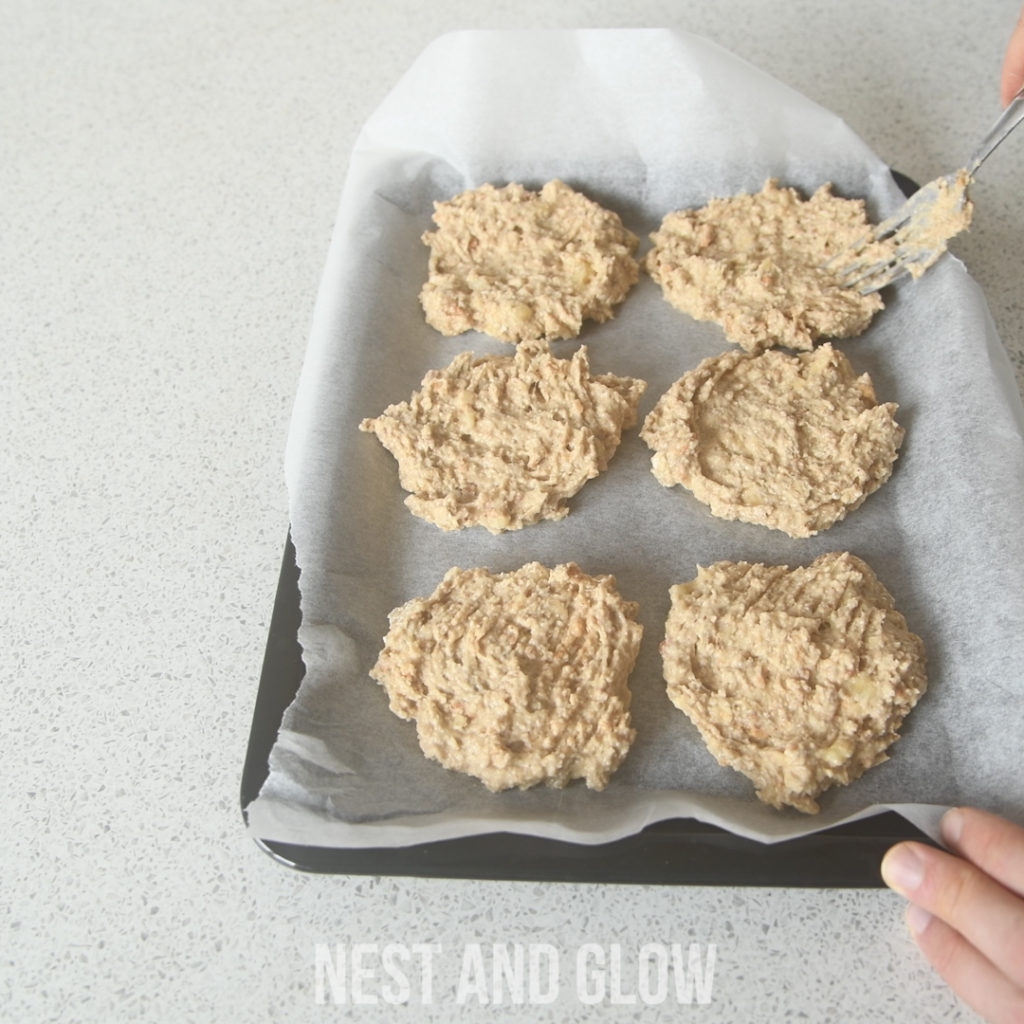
(1006, 122)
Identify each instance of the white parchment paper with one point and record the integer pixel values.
(644, 121)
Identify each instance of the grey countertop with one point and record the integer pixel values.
(168, 180)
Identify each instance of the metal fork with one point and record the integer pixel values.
(911, 240)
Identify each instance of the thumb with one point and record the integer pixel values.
(1013, 63)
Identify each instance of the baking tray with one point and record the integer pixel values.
(674, 852)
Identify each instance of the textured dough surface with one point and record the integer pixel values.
(522, 265)
(754, 264)
(517, 678)
(503, 441)
(792, 441)
(799, 679)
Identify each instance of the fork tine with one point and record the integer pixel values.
(924, 196)
(857, 260)
(862, 275)
(876, 278)
(869, 271)
(872, 277)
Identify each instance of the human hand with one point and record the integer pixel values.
(1013, 63)
(967, 911)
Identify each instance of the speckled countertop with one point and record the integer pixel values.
(168, 180)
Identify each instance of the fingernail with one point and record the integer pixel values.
(951, 826)
(917, 919)
(902, 868)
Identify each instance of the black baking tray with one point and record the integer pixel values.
(674, 852)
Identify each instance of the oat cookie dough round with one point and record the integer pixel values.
(755, 265)
(792, 441)
(522, 265)
(503, 441)
(516, 678)
(798, 678)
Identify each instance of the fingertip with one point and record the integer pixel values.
(902, 867)
(1012, 74)
(1010, 88)
(951, 826)
(918, 919)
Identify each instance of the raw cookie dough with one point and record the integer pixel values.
(754, 264)
(502, 441)
(799, 679)
(516, 678)
(521, 265)
(790, 441)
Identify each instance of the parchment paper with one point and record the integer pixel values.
(644, 121)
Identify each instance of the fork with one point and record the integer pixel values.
(913, 238)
